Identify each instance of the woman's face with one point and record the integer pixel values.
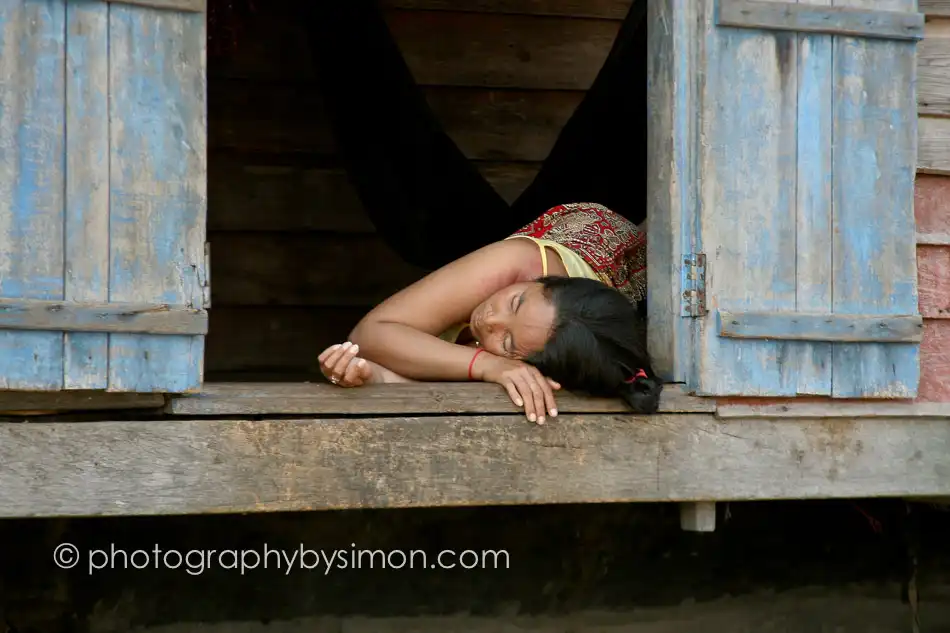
(515, 321)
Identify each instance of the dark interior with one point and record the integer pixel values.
(354, 146)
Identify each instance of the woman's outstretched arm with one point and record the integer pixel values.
(402, 333)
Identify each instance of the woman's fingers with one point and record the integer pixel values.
(538, 387)
(512, 390)
(331, 358)
(365, 371)
(550, 405)
(340, 360)
(326, 353)
(352, 375)
(533, 400)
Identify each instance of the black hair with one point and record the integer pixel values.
(598, 343)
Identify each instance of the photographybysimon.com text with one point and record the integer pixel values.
(287, 560)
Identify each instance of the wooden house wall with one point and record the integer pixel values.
(932, 201)
(295, 262)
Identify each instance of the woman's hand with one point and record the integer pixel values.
(525, 384)
(342, 367)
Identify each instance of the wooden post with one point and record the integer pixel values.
(698, 517)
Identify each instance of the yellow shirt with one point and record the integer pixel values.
(573, 263)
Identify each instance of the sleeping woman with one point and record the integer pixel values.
(553, 305)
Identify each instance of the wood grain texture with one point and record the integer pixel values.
(444, 48)
(933, 76)
(933, 148)
(810, 410)
(606, 9)
(399, 399)
(316, 269)
(799, 326)
(86, 355)
(933, 239)
(213, 466)
(158, 190)
(839, 20)
(934, 7)
(32, 182)
(49, 402)
(933, 273)
(504, 51)
(813, 202)
(279, 341)
(247, 193)
(749, 128)
(38, 314)
(176, 5)
(932, 204)
(874, 250)
(935, 361)
(664, 138)
(485, 124)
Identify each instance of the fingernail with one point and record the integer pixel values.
(354, 349)
(531, 417)
(519, 403)
(361, 363)
(346, 345)
(553, 413)
(541, 420)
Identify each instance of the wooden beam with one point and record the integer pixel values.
(935, 362)
(216, 466)
(442, 48)
(933, 273)
(256, 193)
(195, 6)
(806, 18)
(288, 118)
(933, 76)
(48, 402)
(306, 269)
(799, 326)
(932, 205)
(63, 316)
(933, 145)
(933, 239)
(828, 410)
(603, 9)
(698, 517)
(424, 398)
(934, 7)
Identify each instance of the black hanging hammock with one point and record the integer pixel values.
(427, 200)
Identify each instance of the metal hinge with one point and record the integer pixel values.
(204, 278)
(694, 285)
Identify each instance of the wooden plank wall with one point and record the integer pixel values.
(504, 76)
(932, 201)
(295, 261)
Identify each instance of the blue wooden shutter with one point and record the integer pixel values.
(103, 278)
(799, 266)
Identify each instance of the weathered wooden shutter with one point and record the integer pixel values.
(103, 278)
(795, 227)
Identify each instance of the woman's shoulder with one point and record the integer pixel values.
(524, 255)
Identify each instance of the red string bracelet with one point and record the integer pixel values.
(472, 363)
